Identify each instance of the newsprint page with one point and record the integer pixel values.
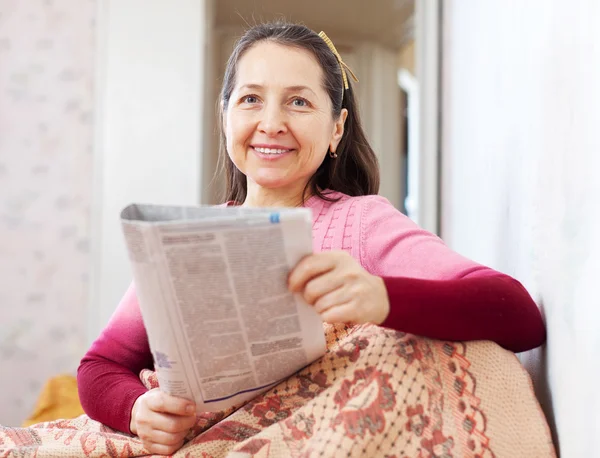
(212, 288)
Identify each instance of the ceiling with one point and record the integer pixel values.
(381, 21)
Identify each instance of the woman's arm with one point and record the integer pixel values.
(108, 375)
(483, 305)
(437, 293)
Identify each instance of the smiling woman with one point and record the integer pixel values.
(279, 126)
(291, 136)
(286, 89)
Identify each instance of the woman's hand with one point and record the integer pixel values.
(340, 290)
(162, 421)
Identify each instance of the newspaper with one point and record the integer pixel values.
(212, 287)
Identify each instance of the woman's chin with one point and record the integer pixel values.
(270, 180)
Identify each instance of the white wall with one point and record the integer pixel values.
(150, 136)
(521, 156)
(46, 125)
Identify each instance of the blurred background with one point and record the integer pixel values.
(484, 116)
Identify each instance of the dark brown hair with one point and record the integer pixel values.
(355, 171)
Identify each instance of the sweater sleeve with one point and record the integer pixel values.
(437, 293)
(484, 305)
(108, 375)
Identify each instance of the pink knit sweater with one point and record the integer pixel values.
(433, 292)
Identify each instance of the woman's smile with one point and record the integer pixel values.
(269, 152)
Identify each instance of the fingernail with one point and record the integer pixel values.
(190, 409)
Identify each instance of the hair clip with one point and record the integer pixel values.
(343, 65)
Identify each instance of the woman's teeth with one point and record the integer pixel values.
(271, 150)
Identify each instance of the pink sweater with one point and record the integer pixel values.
(433, 292)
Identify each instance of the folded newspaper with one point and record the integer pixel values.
(212, 288)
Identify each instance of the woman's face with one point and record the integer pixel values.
(279, 123)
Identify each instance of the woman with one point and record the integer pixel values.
(291, 136)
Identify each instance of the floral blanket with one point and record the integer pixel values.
(376, 393)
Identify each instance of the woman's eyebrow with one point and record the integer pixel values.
(295, 88)
(299, 89)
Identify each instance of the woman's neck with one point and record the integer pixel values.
(257, 196)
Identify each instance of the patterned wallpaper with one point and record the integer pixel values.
(46, 100)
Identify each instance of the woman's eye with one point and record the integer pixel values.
(300, 103)
(250, 99)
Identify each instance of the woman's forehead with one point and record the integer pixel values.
(272, 64)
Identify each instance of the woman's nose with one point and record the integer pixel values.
(272, 121)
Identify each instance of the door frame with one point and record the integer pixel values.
(428, 49)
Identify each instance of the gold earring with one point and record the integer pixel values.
(332, 154)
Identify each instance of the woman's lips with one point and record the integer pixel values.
(271, 153)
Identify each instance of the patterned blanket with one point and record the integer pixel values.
(376, 393)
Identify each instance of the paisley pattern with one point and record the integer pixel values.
(376, 392)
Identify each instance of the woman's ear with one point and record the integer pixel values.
(338, 130)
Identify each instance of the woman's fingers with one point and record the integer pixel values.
(343, 313)
(310, 267)
(162, 421)
(163, 402)
(172, 424)
(322, 285)
(340, 289)
(332, 299)
(166, 433)
(164, 438)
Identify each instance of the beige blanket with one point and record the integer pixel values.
(376, 393)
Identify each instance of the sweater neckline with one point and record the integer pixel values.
(313, 202)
